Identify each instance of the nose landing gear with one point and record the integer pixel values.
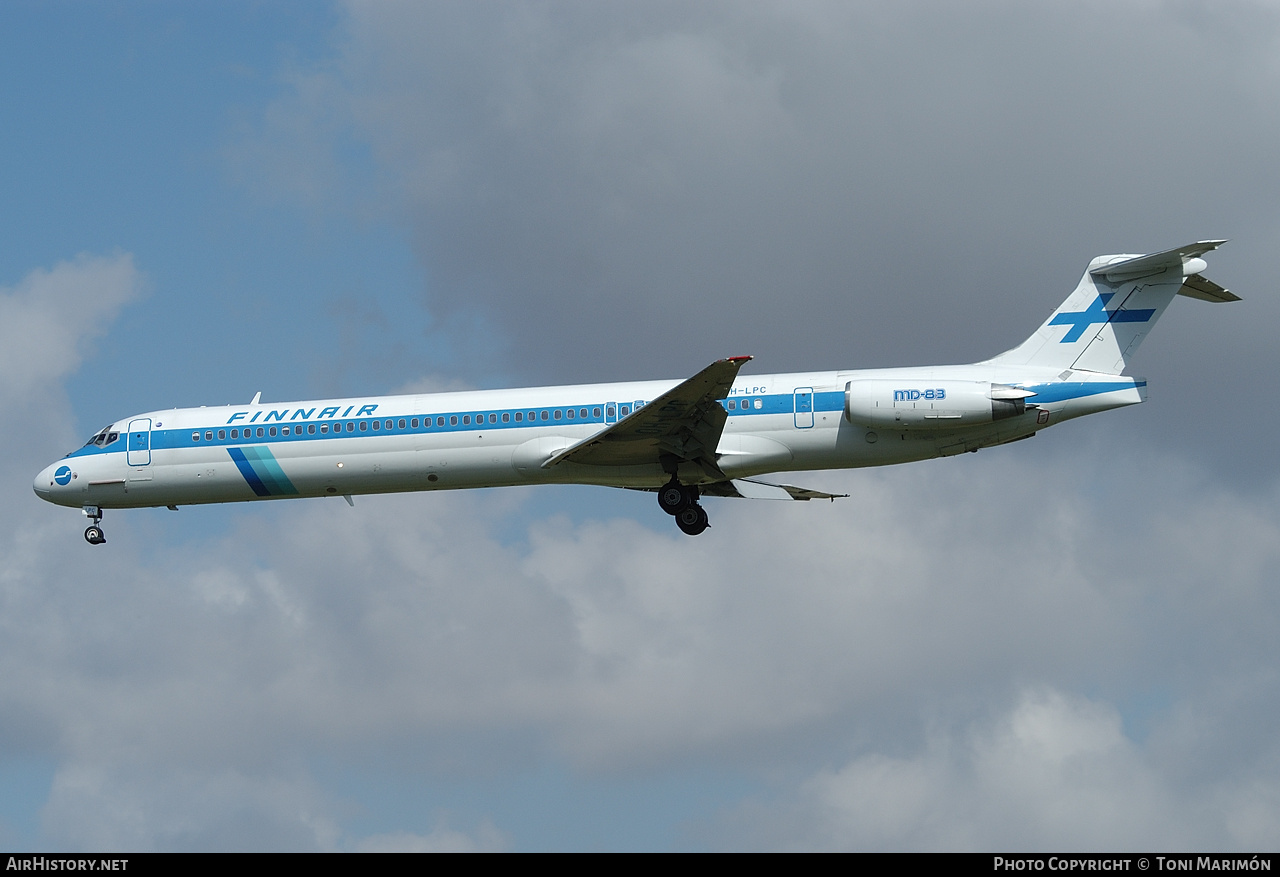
(681, 502)
(93, 533)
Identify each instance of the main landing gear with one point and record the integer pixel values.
(681, 502)
(93, 533)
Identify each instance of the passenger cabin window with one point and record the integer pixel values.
(506, 417)
(624, 410)
(195, 436)
(208, 436)
(519, 416)
(222, 434)
(272, 432)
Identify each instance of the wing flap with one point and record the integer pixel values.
(753, 488)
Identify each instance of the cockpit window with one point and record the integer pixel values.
(103, 438)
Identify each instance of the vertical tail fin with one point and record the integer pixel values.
(1100, 325)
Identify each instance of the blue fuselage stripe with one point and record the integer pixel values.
(246, 469)
(1061, 392)
(262, 471)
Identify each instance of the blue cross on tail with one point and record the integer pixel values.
(1079, 321)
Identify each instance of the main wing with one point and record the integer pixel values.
(683, 425)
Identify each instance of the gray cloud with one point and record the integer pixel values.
(625, 192)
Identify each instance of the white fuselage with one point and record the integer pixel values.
(492, 438)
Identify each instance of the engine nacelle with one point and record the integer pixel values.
(927, 404)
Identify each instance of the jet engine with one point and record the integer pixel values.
(926, 404)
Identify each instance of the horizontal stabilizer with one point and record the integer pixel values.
(1127, 269)
(1201, 287)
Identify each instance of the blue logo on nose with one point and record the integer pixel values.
(63, 475)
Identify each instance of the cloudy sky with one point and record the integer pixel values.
(1068, 643)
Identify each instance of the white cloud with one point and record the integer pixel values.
(47, 320)
(1053, 772)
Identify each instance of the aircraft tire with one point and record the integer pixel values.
(94, 535)
(673, 497)
(692, 520)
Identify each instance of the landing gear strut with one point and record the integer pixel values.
(93, 533)
(681, 502)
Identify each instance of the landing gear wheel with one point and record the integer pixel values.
(94, 535)
(692, 520)
(672, 497)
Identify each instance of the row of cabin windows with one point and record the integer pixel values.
(453, 420)
(412, 423)
(105, 438)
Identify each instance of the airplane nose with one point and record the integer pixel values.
(50, 479)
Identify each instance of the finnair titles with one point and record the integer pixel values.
(714, 434)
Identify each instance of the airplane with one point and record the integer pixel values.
(714, 434)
